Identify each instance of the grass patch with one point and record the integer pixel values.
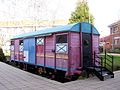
(116, 62)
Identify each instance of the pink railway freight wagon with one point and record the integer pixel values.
(62, 51)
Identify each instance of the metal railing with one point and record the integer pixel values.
(109, 61)
(106, 61)
(98, 61)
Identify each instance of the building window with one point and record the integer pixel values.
(111, 30)
(115, 30)
(116, 42)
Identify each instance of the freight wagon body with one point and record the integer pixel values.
(59, 49)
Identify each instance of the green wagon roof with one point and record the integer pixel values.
(86, 28)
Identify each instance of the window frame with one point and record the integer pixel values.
(62, 47)
(21, 42)
(12, 43)
(64, 41)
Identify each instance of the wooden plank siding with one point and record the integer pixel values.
(12, 50)
(16, 49)
(49, 54)
(75, 50)
(95, 43)
(40, 54)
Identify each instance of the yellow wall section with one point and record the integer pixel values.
(48, 55)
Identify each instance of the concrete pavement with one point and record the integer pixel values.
(113, 54)
(12, 78)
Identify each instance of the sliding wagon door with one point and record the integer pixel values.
(49, 52)
(44, 51)
(62, 51)
(29, 50)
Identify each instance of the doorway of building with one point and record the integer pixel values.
(87, 55)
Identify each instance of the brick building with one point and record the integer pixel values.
(115, 35)
(106, 43)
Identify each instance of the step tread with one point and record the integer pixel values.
(99, 69)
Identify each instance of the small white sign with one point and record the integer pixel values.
(40, 41)
(62, 48)
(12, 48)
(21, 48)
(26, 54)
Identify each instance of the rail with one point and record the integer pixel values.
(103, 65)
(109, 61)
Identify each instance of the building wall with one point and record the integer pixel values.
(16, 46)
(11, 28)
(95, 43)
(115, 34)
(6, 33)
(75, 50)
(106, 43)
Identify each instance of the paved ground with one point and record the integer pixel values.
(114, 54)
(15, 79)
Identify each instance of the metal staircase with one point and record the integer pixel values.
(102, 66)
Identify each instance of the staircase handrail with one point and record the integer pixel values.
(99, 62)
(111, 61)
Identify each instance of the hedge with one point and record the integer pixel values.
(2, 56)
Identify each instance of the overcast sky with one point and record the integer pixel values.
(105, 12)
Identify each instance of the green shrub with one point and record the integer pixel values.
(2, 56)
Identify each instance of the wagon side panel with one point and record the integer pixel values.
(61, 46)
(50, 57)
(26, 49)
(96, 43)
(39, 52)
(29, 50)
(32, 50)
(21, 50)
(12, 50)
(75, 51)
(16, 49)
